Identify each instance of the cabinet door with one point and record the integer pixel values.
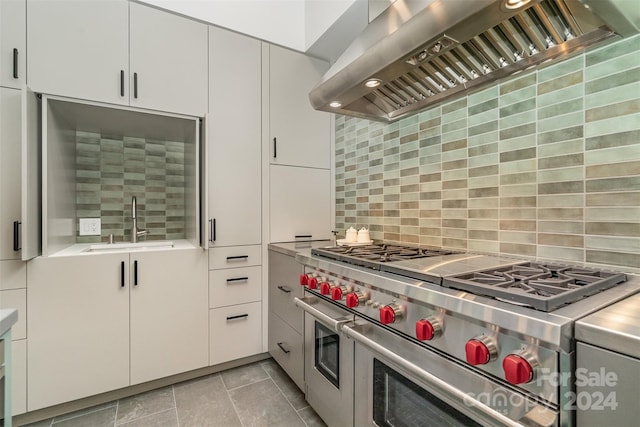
(233, 140)
(300, 203)
(78, 321)
(299, 135)
(169, 313)
(79, 48)
(168, 55)
(13, 43)
(284, 274)
(10, 157)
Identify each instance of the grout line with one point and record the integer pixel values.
(175, 404)
(233, 405)
(115, 418)
(135, 420)
(287, 399)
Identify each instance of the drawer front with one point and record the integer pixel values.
(235, 256)
(16, 298)
(13, 275)
(235, 332)
(281, 297)
(232, 286)
(286, 346)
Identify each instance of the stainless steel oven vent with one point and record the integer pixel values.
(421, 52)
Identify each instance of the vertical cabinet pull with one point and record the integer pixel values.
(135, 85)
(275, 147)
(135, 273)
(122, 274)
(16, 235)
(213, 230)
(121, 82)
(15, 63)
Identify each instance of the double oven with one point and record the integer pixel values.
(394, 343)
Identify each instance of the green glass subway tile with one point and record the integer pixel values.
(557, 111)
(454, 135)
(561, 69)
(518, 96)
(575, 146)
(481, 171)
(613, 110)
(614, 169)
(564, 227)
(631, 183)
(516, 85)
(613, 228)
(616, 243)
(430, 195)
(518, 178)
(555, 254)
(626, 123)
(518, 107)
(575, 78)
(523, 154)
(431, 142)
(459, 183)
(518, 190)
(489, 106)
(621, 259)
(454, 145)
(613, 199)
(462, 193)
(518, 225)
(409, 188)
(550, 176)
(430, 163)
(612, 51)
(612, 96)
(484, 128)
(484, 181)
(391, 135)
(518, 131)
(614, 66)
(518, 236)
(560, 95)
(483, 246)
(455, 164)
(619, 79)
(482, 150)
(563, 161)
(409, 133)
(484, 212)
(484, 192)
(565, 134)
(571, 214)
(454, 106)
(454, 125)
(561, 187)
(448, 156)
(431, 177)
(525, 202)
(454, 174)
(520, 119)
(618, 139)
(430, 123)
(484, 160)
(567, 120)
(485, 138)
(410, 171)
(483, 95)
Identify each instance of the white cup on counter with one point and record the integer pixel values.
(351, 235)
(363, 236)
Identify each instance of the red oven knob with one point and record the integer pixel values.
(517, 369)
(336, 293)
(304, 279)
(312, 283)
(325, 288)
(389, 314)
(427, 329)
(355, 298)
(480, 350)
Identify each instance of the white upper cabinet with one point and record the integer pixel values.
(79, 48)
(13, 43)
(168, 61)
(299, 135)
(117, 52)
(234, 139)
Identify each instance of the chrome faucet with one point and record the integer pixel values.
(135, 231)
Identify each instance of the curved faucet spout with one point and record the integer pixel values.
(135, 231)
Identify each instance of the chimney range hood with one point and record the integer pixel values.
(421, 52)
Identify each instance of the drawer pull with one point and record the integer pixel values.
(282, 348)
(284, 289)
(239, 316)
(303, 236)
(237, 257)
(237, 279)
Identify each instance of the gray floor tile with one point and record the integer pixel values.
(205, 402)
(243, 375)
(85, 411)
(166, 418)
(102, 418)
(142, 405)
(262, 404)
(294, 395)
(310, 418)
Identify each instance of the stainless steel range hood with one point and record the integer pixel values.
(420, 52)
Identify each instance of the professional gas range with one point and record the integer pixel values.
(504, 325)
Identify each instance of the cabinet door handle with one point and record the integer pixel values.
(279, 344)
(135, 273)
(239, 316)
(213, 230)
(15, 63)
(284, 289)
(237, 279)
(210, 229)
(135, 85)
(275, 147)
(121, 82)
(122, 274)
(302, 236)
(16, 235)
(237, 257)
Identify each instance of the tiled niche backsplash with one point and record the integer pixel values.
(545, 165)
(110, 170)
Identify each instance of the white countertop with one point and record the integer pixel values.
(123, 247)
(8, 316)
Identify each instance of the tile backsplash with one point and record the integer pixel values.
(544, 165)
(110, 170)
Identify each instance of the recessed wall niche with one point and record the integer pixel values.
(96, 157)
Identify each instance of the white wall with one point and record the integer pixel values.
(320, 15)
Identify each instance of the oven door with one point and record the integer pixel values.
(400, 383)
(328, 361)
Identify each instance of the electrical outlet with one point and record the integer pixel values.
(90, 226)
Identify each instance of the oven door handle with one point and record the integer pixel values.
(305, 303)
(427, 377)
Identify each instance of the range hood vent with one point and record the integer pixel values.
(420, 52)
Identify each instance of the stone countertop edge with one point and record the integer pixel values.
(294, 248)
(8, 316)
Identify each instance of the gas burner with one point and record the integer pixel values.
(544, 287)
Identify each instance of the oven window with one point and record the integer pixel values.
(327, 349)
(398, 402)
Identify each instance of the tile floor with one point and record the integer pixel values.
(258, 394)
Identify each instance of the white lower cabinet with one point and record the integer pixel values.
(236, 331)
(98, 324)
(19, 379)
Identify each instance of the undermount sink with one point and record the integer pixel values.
(108, 247)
